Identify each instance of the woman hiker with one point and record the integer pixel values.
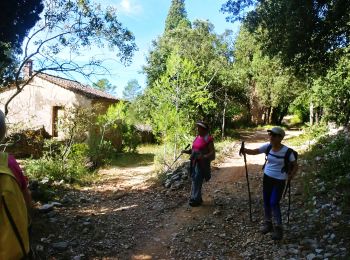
(202, 153)
(274, 179)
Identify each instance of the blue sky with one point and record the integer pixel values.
(146, 19)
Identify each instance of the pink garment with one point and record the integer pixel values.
(201, 142)
(17, 171)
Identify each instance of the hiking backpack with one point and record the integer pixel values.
(287, 164)
(14, 238)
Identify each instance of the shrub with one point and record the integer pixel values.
(102, 153)
(26, 143)
(54, 165)
(131, 138)
(330, 160)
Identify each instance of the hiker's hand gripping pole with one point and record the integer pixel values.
(242, 151)
(177, 158)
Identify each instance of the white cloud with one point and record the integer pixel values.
(129, 7)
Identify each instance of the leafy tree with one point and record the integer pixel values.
(19, 16)
(195, 53)
(105, 85)
(174, 101)
(132, 90)
(177, 15)
(117, 120)
(308, 36)
(271, 87)
(331, 93)
(73, 27)
(210, 54)
(161, 48)
(74, 124)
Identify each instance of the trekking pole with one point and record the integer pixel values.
(246, 175)
(289, 199)
(169, 167)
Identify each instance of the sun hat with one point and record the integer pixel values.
(202, 124)
(277, 130)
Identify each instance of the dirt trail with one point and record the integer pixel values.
(126, 217)
(224, 176)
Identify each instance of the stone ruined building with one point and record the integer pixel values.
(42, 102)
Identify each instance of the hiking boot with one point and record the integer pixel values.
(266, 228)
(277, 233)
(195, 203)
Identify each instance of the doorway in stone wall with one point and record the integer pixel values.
(57, 116)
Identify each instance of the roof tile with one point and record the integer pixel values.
(75, 86)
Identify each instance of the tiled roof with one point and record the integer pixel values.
(77, 87)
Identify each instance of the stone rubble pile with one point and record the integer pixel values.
(176, 179)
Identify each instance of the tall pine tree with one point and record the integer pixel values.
(177, 15)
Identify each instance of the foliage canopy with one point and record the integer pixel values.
(308, 36)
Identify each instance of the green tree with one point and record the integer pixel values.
(212, 56)
(308, 36)
(331, 93)
(161, 47)
(177, 15)
(105, 85)
(73, 27)
(116, 121)
(132, 90)
(270, 87)
(172, 103)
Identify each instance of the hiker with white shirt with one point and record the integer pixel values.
(280, 166)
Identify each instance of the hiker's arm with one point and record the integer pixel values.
(211, 152)
(251, 151)
(189, 151)
(294, 170)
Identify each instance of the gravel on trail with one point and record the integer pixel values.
(111, 220)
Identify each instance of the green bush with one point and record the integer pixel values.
(54, 168)
(102, 153)
(58, 163)
(296, 119)
(316, 131)
(131, 138)
(79, 150)
(329, 159)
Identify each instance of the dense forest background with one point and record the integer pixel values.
(289, 58)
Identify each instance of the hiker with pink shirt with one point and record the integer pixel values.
(202, 153)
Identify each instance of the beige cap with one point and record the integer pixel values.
(277, 130)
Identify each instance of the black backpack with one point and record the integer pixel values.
(288, 166)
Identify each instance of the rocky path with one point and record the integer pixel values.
(127, 216)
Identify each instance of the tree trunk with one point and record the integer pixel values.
(269, 114)
(265, 115)
(317, 116)
(311, 113)
(223, 117)
(283, 113)
(275, 115)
